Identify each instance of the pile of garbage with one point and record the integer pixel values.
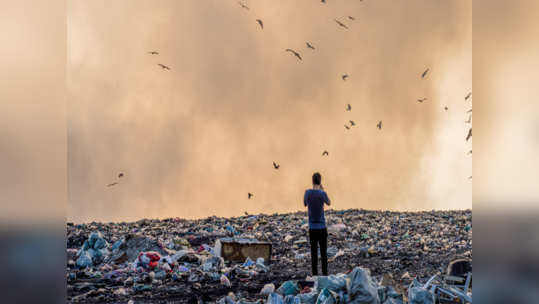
(384, 255)
(357, 287)
(93, 250)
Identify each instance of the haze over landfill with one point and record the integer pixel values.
(194, 140)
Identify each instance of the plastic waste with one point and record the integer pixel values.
(260, 262)
(120, 292)
(360, 288)
(275, 299)
(333, 283)
(419, 295)
(183, 269)
(100, 244)
(248, 262)
(85, 260)
(301, 240)
(309, 298)
(93, 238)
(166, 267)
(290, 299)
(225, 281)
(268, 288)
(289, 288)
(325, 297)
(207, 266)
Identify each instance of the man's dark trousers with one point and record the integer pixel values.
(319, 236)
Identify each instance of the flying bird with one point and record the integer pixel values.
(469, 134)
(344, 77)
(466, 98)
(470, 177)
(379, 125)
(260, 21)
(351, 17)
(164, 67)
(351, 122)
(349, 108)
(340, 24)
(309, 46)
(424, 73)
(117, 85)
(469, 111)
(323, 1)
(421, 100)
(121, 174)
(111, 184)
(249, 194)
(294, 53)
(469, 119)
(243, 5)
(325, 153)
(346, 127)
(446, 108)
(153, 53)
(276, 167)
(469, 152)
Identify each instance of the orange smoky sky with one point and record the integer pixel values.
(192, 141)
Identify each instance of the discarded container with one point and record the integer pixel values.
(289, 288)
(239, 249)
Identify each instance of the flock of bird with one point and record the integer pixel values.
(379, 125)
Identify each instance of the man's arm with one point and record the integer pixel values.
(304, 200)
(329, 201)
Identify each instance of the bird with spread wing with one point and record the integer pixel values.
(340, 23)
(243, 5)
(297, 55)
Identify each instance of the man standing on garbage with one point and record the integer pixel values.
(315, 199)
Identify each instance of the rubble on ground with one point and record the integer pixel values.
(373, 257)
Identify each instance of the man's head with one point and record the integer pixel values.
(317, 179)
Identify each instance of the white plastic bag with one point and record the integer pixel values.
(269, 288)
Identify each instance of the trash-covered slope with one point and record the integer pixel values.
(400, 245)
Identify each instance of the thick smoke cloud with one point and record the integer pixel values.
(193, 140)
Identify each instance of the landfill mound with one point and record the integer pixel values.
(131, 248)
(373, 257)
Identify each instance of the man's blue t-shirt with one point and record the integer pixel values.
(315, 200)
